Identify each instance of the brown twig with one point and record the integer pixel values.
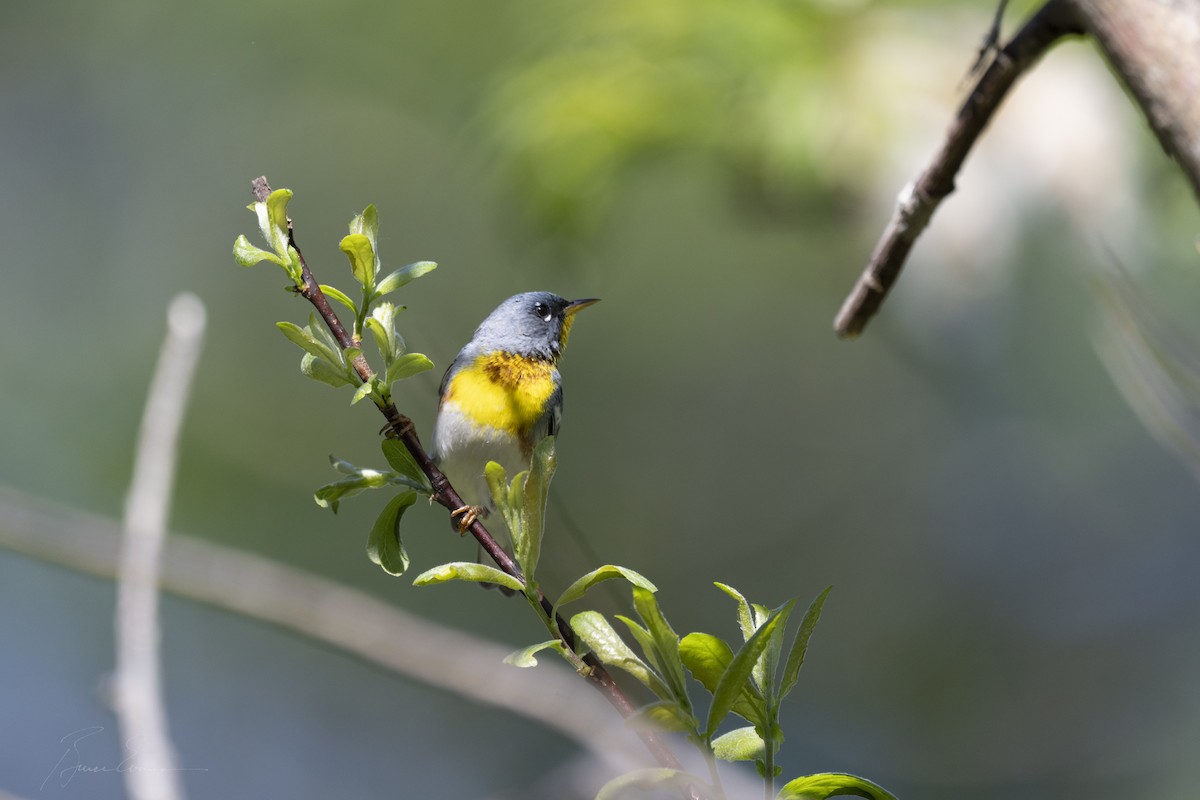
(1055, 20)
(401, 427)
(991, 41)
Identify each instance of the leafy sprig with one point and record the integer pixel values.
(325, 360)
(750, 683)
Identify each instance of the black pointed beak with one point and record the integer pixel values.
(579, 305)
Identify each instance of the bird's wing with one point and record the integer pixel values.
(450, 370)
(554, 412)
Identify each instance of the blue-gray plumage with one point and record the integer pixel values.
(502, 394)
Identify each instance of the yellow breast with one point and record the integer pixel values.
(504, 391)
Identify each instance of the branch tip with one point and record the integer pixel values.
(261, 189)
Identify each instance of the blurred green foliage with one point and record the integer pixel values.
(772, 92)
(753, 85)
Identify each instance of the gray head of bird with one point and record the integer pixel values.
(533, 324)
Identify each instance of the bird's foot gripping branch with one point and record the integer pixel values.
(749, 683)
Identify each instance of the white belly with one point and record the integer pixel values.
(463, 450)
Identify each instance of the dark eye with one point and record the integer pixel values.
(543, 311)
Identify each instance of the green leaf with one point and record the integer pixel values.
(666, 643)
(609, 571)
(382, 341)
(320, 333)
(402, 276)
(272, 222)
(525, 656)
(310, 344)
(749, 619)
(363, 390)
(340, 296)
(761, 614)
(467, 571)
(329, 495)
(497, 482)
(343, 466)
(277, 203)
(738, 674)
(743, 744)
(382, 324)
(594, 630)
(361, 253)
(663, 715)
(407, 366)
(516, 494)
(248, 255)
(401, 460)
(791, 672)
(767, 668)
(367, 224)
(745, 616)
(707, 657)
(502, 494)
(293, 267)
(384, 546)
(321, 370)
(644, 640)
(528, 548)
(832, 784)
(647, 778)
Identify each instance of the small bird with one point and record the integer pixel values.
(502, 394)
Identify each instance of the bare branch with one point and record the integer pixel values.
(139, 703)
(991, 40)
(917, 202)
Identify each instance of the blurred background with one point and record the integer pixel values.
(1000, 495)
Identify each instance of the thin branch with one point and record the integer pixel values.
(917, 201)
(991, 40)
(401, 427)
(324, 611)
(139, 703)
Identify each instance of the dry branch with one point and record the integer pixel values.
(917, 201)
